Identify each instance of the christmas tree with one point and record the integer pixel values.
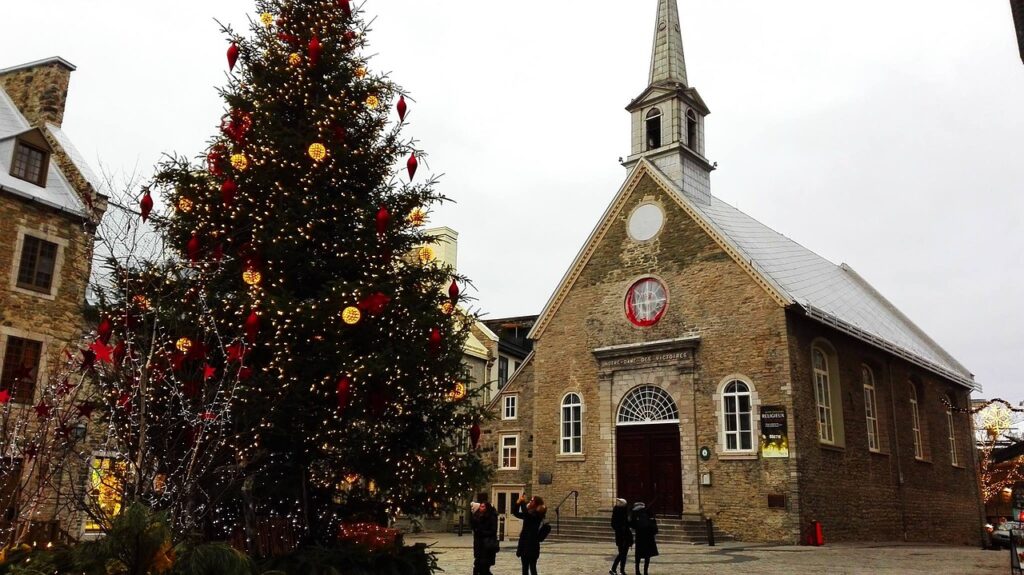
(297, 362)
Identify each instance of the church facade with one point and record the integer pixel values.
(694, 359)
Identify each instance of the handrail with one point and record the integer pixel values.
(558, 509)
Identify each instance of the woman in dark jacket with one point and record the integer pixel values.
(646, 528)
(623, 536)
(532, 514)
(484, 521)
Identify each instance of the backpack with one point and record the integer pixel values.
(542, 534)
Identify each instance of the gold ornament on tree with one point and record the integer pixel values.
(294, 59)
(239, 162)
(183, 344)
(426, 254)
(267, 18)
(360, 72)
(185, 204)
(417, 216)
(351, 315)
(372, 102)
(317, 151)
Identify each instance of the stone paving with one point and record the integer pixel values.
(563, 558)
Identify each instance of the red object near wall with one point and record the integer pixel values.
(815, 536)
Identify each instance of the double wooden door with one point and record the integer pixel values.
(649, 466)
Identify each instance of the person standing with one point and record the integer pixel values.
(532, 515)
(623, 535)
(646, 528)
(484, 521)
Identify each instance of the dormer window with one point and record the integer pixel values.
(691, 130)
(653, 129)
(30, 164)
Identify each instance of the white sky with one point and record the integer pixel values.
(887, 135)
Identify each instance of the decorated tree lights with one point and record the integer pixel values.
(318, 375)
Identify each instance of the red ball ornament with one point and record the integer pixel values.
(193, 248)
(374, 303)
(252, 326)
(453, 292)
(402, 107)
(104, 330)
(215, 160)
(232, 55)
(345, 7)
(146, 205)
(349, 36)
(383, 219)
(435, 340)
(314, 51)
(227, 192)
(344, 393)
(474, 435)
(411, 165)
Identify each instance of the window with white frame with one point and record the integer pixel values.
(510, 404)
(870, 408)
(823, 396)
(915, 422)
(509, 452)
(736, 413)
(952, 433)
(572, 423)
(462, 441)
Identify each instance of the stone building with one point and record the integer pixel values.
(50, 205)
(696, 360)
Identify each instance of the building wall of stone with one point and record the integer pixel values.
(522, 386)
(39, 92)
(889, 495)
(742, 331)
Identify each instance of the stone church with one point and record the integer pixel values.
(699, 361)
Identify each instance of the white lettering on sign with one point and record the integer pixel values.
(642, 359)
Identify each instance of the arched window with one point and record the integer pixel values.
(952, 431)
(915, 422)
(867, 378)
(691, 130)
(736, 413)
(823, 395)
(653, 124)
(647, 404)
(572, 423)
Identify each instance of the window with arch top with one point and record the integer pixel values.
(647, 404)
(653, 125)
(915, 421)
(737, 417)
(951, 404)
(828, 394)
(867, 378)
(691, 130)
(572, 423)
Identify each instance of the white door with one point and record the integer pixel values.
(504, 498)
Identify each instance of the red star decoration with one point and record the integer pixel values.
(236, 352)
(102, 351)
(42, 410)
(5, 396)
(85, 409)
(208, 371)
(375, 303)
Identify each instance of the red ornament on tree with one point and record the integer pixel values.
(314, 51)
(232, 55)
(227, 192)
(104, 330)
(215, 160)
(344, 393)
(374, 303)
(218, 252)
(401, 107)
(193, 248)
(435, 340)
(345, 7)
(146, 205)
(349, 35)
(252, 326)
(453, 292)
(411, 165)
(474, 435)
(383, 219)
(119, 352)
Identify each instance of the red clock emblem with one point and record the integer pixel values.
(646, 301)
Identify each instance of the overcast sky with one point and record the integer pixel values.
(887, 135)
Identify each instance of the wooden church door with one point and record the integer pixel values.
(648, 456)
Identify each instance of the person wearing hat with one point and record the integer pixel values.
(532, 533)
(484, 521)
(645, 526)
(623, 536)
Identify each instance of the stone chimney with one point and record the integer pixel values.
(39, 89)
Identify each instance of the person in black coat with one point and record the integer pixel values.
(484, 521)
(532, 514)
(623, 536)
(645, 526)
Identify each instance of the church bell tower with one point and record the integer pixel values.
(668, 116)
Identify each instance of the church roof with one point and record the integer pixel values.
(58, 192)
(795, 276)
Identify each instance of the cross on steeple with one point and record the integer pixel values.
(667, 62)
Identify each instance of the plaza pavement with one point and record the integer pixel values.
(568, 558)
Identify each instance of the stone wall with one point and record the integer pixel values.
(39, 92)
(858, 494)
(522, 386)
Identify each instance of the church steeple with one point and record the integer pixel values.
(668, 116)
(667, 61)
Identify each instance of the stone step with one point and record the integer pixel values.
(689, 530)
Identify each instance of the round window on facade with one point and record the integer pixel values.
(645, 222)
(646, 302)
